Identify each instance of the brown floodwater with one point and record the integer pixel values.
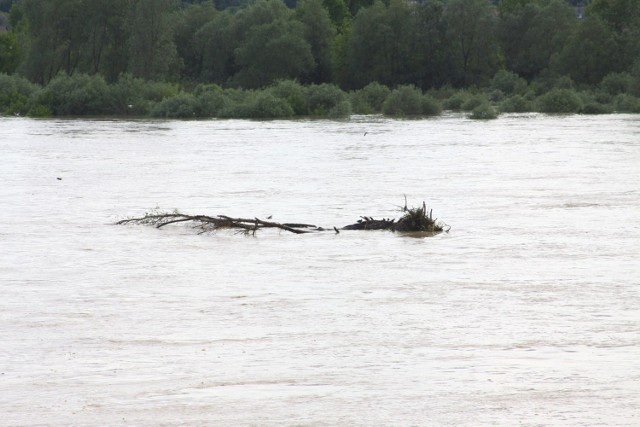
(526, 313)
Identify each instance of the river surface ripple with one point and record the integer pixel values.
(526, 313)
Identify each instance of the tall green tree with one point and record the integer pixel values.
(514, 6)
(271, 45)
(189, 21)
(340, 59)
(622, 17)
(472, 39)
(9, 52)
(589, 53)
(355, 5)
(273, 52)
(70, 36)
(338, 12)
(319, 33)
(532, 34)
(105, 46)
(380, 47)
(217, 42)
(431, 45)
(57, 33)
(152, 51)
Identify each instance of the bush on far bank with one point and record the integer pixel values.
(516, 104)
(409, 101)
(132, 96)
(456, 101)
(559, 101)
(293, 93)
(82, 94)
(77, 95)
(509, 83)
(369, 99)
(484, 111)
(625, 103)
(15, 92)
(324, 100)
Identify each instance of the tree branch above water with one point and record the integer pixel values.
(413, 220)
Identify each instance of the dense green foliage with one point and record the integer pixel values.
(560, 101)
(484, 111)
(409, 101)
(277, 58)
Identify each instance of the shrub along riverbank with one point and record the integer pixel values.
(85, 95)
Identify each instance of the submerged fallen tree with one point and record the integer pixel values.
(413, 220)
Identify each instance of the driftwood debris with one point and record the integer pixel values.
(413, 220)
(206, 224)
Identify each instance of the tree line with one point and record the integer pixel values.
(254, 44)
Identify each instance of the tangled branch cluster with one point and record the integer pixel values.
(413, 220)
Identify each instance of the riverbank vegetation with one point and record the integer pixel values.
(318, 58)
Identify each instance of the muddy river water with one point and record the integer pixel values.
(526, 313)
